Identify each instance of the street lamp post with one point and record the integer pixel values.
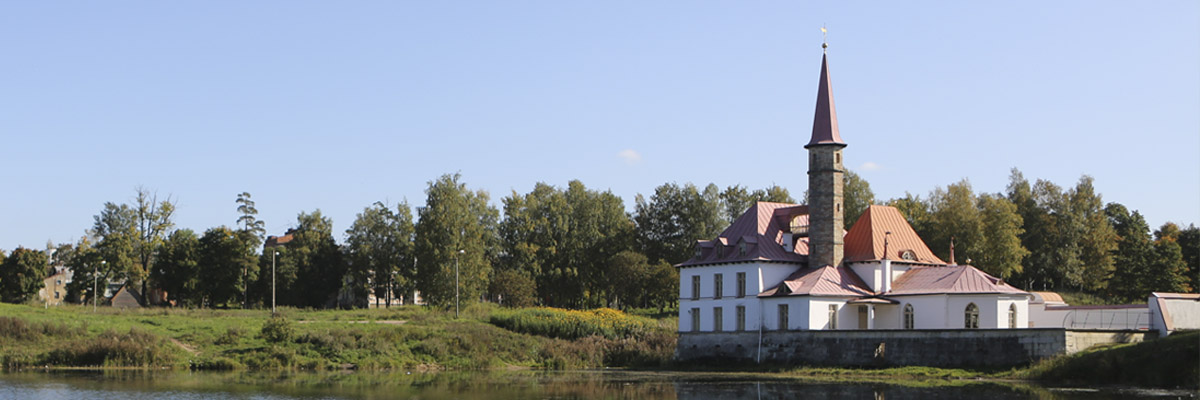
(456, 282)
(273, 254)
(95, 281)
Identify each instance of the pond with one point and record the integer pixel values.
(181, 385)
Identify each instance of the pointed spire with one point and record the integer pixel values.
(825, 125)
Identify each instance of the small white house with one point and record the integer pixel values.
(1174, 311)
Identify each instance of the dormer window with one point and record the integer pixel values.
(742, 249)
(699, 252)
(908, 255)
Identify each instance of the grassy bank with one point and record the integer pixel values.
(397, 338)
(1173, 361)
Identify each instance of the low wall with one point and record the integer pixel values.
(882, 348)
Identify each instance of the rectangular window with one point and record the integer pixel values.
(833, 316)
(717, 286)
(696, 287)
(695, 319)
(717, 319)
(741, 318)
(741, 284)
(783, 317)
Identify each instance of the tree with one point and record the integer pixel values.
(634, 287)
(985, 229)
(735, 200)
(675, 217)
(663, 288)
(1001, 252)
(856, 196)
(130, 235)
(177, 270)
(1133, 256)
(456, 227)
(226, 263)
(87, 272)
(22, 274)
(1168, 271)
(1189, 247)
(379, 251)
(512, 288)
(249, 219)
(319, 266)
(1098, 240)
(914, 210)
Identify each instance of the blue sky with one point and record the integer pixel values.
(336, 105)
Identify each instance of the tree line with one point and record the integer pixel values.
(576, 247)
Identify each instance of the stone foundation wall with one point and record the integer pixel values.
(882, 348)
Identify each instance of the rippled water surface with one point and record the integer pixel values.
(168, 385)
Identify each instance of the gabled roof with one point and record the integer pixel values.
(824, 281)
(825, 125)
(761, 228)
(950, 279)
(864, 241)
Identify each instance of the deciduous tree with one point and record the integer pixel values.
(670, 222)
(22, 274)
(379, 250)
(456, 227)
(177, 269)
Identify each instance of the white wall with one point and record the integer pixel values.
(1184, 313)
(759, 277)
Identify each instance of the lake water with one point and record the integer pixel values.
(171, 385)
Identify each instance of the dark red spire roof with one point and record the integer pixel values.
(825, 125)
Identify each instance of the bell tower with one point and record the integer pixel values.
(826, 176)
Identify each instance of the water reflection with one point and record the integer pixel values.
(170, 385)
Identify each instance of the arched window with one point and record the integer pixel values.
(1012, 316)
(908, 316)
(972, 316)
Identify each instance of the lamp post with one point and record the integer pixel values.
(95, 281)
(273, 254)
(456, 282)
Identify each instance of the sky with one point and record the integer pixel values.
(336, 105)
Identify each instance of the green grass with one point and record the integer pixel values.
(376, 339)
(1173, 362)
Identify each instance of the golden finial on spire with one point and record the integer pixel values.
(824, 37)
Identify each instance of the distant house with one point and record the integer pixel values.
(1171, 312)
(125, 297)
(54, 287)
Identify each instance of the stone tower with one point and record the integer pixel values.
(826, 225)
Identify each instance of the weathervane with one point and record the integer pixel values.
(824, 38)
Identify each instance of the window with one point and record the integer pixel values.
(699, 252)
(908, 255)
(837, 158)
(741, 318)
(717, 286)
(972, 316)
(717, 320)
(908, 316)
(783, 317)
(1012, 316)
(695, 287)
(833, 316)
(741, 284)
(695, 319)
(742, 249)
(56, 294)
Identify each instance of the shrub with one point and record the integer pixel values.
(231, 336)
(277, 330)
(134, 348)
(571, 324)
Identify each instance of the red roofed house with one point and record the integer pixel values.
(793, 267)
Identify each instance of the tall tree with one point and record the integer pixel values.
(915, 211)
(1098, 240)
(736, 199)
(177, 270)
(1168, 272)
(1189, 246)
(985, 228)
(1001, 252)
(634, 287)
(22, 274)
(379, 249)
(1133, 256)
(248, 220)
(319, 265)
(227, 264)
(130, 235)
(87, 272)
(670, 222)
(456, 227)
(856, 196)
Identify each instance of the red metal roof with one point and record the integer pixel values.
(761, 228)
(949, 279)
(864, 241)
(824, 281)
(825, 125)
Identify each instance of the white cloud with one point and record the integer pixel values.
(630, 156)
(870, 166)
